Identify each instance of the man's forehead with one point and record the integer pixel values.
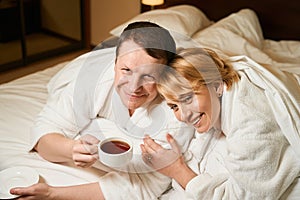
(148, 68)
(128, 47)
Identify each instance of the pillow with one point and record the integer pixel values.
(183, 19)
(244, 23)
(224, 41)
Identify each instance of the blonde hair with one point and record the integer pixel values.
(192, 68)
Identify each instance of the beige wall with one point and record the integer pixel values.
(107, 14)
(62, 17)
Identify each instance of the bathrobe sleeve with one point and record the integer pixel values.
(71, 93)
(260, 161)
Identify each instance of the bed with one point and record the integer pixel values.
(248, 28)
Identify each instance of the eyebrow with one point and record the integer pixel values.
(182, 96)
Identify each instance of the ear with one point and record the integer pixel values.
(219, 88)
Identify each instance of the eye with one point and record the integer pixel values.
(187, 99)
(173, 107)
(125, 70)
(148, 78)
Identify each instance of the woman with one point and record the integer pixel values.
(123, 92)
(239, 150)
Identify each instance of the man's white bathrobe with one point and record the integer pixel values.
(82, 101)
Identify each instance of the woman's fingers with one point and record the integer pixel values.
(173, 143)
(156, 156)
(150, 145)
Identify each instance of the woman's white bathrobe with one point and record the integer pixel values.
(82, 101)
(254, 160)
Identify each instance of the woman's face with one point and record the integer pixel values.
(201, 110)
(135, 75)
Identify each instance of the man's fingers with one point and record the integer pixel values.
(89, 139)
(85, 158)
(92, 149)
(83, 148)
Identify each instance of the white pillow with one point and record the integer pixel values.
(183, 19)
(244, 23)
(224, 41)
(237, 34)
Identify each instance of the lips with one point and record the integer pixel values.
(135, 96)
(198, 120)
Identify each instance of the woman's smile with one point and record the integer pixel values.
(197, 121)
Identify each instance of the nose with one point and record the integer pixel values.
(186, 114)
(135, 84)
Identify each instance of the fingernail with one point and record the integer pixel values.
(12, 191)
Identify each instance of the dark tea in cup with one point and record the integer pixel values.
(115, 147)
(115, 151)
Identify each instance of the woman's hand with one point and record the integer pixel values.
(35, 192)
(169, 162)
(162, 160)
(85, 151)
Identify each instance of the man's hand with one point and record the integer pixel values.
(85, 151)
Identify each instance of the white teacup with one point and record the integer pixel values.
(115, 151)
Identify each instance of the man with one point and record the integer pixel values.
(122, 97)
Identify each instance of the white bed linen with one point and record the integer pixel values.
(181, 20)
(241, 34)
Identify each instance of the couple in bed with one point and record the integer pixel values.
(239, 149)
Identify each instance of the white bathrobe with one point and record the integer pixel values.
(82, 101)
(258, 158)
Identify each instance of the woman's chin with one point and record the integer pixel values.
(202, 129)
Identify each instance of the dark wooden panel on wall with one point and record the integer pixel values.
(10, 22)
(279, 19)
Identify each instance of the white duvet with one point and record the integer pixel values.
(22, 99)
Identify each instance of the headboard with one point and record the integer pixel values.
(279, 19)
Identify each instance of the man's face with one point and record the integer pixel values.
(135, 76)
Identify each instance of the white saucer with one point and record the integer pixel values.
(16, 177)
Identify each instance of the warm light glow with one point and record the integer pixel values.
(152, 2)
